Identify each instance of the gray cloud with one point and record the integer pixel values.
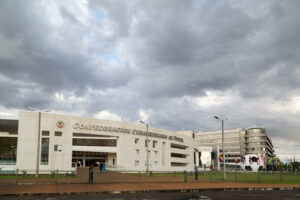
(180, 62)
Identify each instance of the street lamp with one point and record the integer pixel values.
(147, 147)
(223, 149)
(39, 141)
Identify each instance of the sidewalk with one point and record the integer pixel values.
(63, 189)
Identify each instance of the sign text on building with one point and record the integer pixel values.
(125, 131)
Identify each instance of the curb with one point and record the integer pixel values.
(153, 191)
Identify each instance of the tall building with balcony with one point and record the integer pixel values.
(257, 142)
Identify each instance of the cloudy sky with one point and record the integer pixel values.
(175, 63)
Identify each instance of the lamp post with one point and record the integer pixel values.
(223, 149)
(147, 146)
(38, 141)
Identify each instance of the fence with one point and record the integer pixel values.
(83, 175)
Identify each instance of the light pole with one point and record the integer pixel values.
(223, 149)
(147, 146)
(38, 142)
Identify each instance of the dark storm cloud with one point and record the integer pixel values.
(180, 62)
(49, 58)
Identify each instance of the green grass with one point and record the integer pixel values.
(251, 177)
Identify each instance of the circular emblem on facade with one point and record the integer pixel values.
(60, 124)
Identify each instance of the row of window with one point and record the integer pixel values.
(256, 138)
(137, 151)
(151, 163)
(256, 131)
(253, 149)
(94, 142)
(154, 142)
(218, 135)
(47, 133)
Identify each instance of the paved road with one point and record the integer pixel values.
(248, 195)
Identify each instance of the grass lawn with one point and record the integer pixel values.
(253, 177)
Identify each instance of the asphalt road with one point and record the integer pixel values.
(246, 195)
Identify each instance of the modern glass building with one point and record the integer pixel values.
(258, 142)
(238, 143)
(234, 143)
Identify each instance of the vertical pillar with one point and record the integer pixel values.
(197, 158)
(37, 169)
(83, 160)
(117, 157)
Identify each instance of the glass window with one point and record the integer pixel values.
(57, 133)
(178, 155)
(154, 144)
(94, 142)
(178, 146)
(8, 150)
(45, 133)
(45, 151)
(136, 140)
(177, 164)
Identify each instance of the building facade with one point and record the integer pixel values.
(238, 143)
(50, 142)
(234, 143)
(257, 142)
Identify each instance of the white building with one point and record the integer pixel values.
(62, 141)
(47, 141)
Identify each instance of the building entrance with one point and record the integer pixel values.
(86, 159)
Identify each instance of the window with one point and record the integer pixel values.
(178, 146)
(45, 133)
(136, 163)
(95, 142)
(57, 148)
(137, 151)
(178, 155)
(45, 151)
(136, 140)
(154, 144)
(146, 143)
(177, 164)
(8, 150)
(57, 133)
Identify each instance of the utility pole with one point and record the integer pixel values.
(147, 146)
(223, 148)
(38, 148)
